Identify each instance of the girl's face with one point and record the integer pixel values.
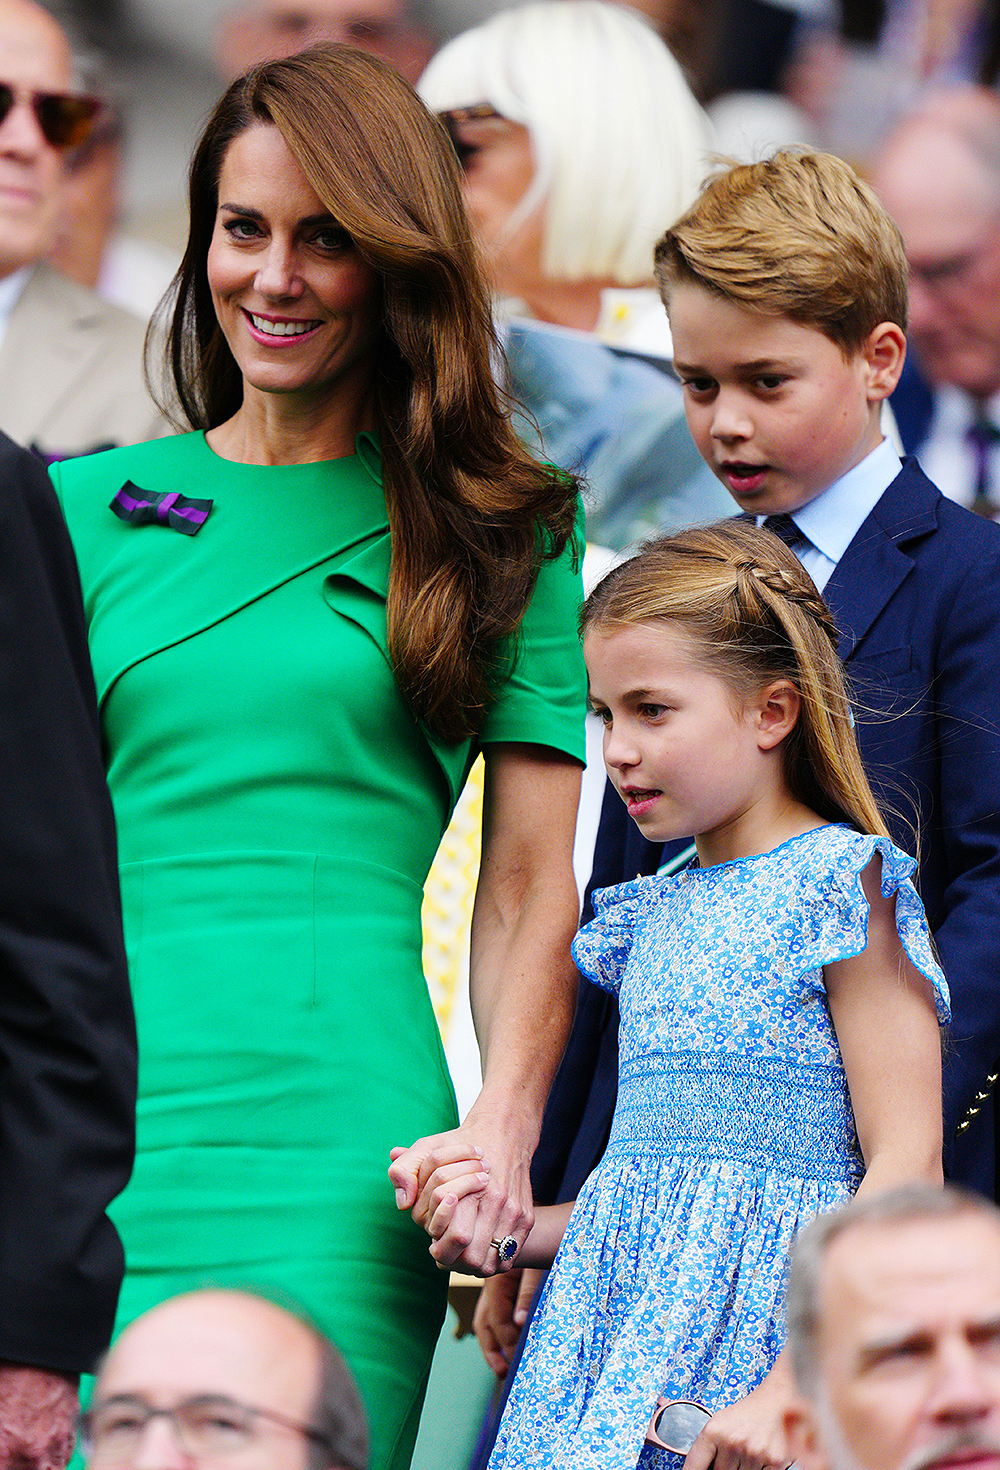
(297, 304)
(687, 756)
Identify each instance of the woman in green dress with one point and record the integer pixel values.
(307, 616)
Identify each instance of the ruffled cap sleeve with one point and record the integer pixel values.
(836, 925)
(602, 948)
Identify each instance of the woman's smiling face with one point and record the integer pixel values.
(298, 306)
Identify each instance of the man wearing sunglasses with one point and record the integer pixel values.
(70, 363)
(222, 1376)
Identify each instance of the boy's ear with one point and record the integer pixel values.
(777, 711)
(884, 352)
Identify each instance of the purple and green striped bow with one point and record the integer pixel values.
(140, 507)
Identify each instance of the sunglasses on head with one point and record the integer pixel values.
(65, 118)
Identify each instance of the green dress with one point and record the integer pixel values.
(278, 808)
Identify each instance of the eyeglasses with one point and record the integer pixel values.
(454, 117)
(206, 1427)
(65, 118)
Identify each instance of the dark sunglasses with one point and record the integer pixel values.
(453, 119)
(65, 118)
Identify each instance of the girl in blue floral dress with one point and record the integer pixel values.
(780, 1008)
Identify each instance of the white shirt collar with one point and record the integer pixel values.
(10, 294)
(833, 519)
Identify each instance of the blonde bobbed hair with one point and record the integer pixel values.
(619, 141)
(755, 616)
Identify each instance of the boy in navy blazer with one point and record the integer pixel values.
(786, 287)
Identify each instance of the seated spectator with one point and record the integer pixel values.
(70, 363)
(266, 30)
(893, 1322)
(215, 1375)
(938, 175)
(570, 260)
(91, 247)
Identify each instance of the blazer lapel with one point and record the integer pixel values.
(877, 562)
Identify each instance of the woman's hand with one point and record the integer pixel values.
(483, 1212)
(501, 1312)
(749, 1435)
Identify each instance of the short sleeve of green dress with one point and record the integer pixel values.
(278, 808)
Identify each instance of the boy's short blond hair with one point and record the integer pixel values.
(799, 235)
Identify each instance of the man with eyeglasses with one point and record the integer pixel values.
(70, 363)
(224, 1378)
(938, 175)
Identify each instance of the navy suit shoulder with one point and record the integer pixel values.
(917, 596)
(67, 1037)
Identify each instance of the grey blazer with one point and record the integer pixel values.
(71, 371)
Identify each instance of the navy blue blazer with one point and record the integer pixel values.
(917, 598)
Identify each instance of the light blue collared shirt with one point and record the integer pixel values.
(831, 521)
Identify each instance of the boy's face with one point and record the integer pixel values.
(774, 407)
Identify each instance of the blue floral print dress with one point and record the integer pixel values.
(733, 1127)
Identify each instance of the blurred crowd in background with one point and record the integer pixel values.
(830, 72)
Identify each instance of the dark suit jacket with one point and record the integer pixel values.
(67, 1036)
(917, 597)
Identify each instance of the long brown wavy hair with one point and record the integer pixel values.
(471, 514)
(756, 616)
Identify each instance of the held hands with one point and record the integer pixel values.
(465, 1195)
(749, 1435)
(455, 1176)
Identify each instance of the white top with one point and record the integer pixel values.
(10, 294)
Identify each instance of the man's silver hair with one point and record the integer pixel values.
(918, 1202)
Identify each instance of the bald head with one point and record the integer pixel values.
(229, 1345)
(29, 24)
(938, 175)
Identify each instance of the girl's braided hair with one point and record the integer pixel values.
(756, 616)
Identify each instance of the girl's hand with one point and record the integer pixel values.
(458, 1171)
(501, 1312)
(749, 1435)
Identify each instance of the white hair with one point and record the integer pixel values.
(619, 141)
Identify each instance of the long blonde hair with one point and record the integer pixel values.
(756, 617)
